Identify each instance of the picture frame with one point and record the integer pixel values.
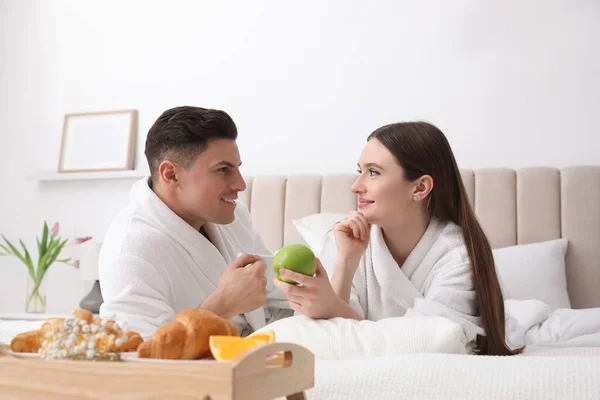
(98, 141)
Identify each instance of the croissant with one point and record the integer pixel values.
(187, 336)
(133, 342)
(31, 341)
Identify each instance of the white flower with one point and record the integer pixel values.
(76, 330)
(91, 345)
(72, 337)
(86, 329)
(48, 335)
(90, 354)
(103, 323)
(119, 342)
(95, 328)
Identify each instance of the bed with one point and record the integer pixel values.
(515, 208)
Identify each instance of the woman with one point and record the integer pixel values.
(414, 247)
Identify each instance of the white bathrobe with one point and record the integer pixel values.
(434, 280)
(153, 264)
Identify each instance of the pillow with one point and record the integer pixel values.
(534, 271)
(342, 338)
(313, 228)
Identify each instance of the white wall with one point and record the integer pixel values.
(511, 83)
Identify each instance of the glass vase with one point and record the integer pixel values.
(35, 301)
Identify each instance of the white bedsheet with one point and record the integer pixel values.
(542, 374)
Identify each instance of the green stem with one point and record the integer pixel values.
(35, 293)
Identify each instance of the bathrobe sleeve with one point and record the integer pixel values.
(135, 294)
(451, 294)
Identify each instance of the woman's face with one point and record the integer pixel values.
(384, 195)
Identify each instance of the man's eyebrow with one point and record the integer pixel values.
(226, 164)
(369, 165)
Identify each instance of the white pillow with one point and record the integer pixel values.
(534, 271)
(341, 338)
(313, 228)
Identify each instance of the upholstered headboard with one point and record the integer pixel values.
(514, 207)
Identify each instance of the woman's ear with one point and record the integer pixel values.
(424, 186)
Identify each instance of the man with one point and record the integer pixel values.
(176, 245)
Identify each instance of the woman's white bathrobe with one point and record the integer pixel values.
(153, 264)
(434, 280)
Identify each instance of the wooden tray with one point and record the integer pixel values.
(245, 378)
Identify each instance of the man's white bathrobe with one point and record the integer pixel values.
(153, 264)
(434, 280)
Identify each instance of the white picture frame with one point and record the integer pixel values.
(98, 141)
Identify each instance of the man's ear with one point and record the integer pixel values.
(424, 186)
(169, 172)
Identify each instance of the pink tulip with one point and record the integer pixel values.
(55, 229)
(82, 239)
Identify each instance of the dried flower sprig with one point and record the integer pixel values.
(78, 340)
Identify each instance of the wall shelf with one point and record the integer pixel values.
(50, 176)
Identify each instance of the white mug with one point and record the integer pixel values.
(269, 273)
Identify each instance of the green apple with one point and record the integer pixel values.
(295, 257)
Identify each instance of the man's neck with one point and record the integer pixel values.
(171, 201)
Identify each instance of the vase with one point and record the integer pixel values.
(36, 295)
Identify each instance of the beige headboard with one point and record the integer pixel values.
(514, 207)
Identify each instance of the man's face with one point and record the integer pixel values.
(207, 192)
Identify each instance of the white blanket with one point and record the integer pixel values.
(531, 322)
(341, 338)
(153, 264)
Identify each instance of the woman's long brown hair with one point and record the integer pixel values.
(422, 149)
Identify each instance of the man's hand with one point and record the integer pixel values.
(242, 288)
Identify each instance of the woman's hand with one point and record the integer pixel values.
(315, 297)
(352, 237)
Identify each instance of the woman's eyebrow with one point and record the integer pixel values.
(371, 164)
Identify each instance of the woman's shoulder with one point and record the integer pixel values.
(451, 233)
(453, 240)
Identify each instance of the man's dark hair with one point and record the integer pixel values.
(181, 133)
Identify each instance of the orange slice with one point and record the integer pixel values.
(267, 336)
(226, 348)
